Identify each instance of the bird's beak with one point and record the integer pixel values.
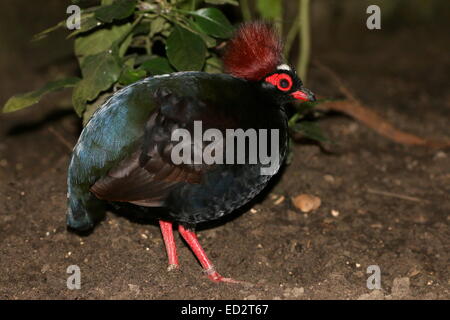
(304, 95)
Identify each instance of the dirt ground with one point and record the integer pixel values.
(283, 253)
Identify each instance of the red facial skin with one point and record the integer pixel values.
(254, 52)
(276, 80)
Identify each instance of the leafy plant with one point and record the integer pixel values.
(115, 46)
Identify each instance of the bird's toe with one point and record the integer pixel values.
(173, 267)
(216, 277)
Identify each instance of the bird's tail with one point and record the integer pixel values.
(84, 210)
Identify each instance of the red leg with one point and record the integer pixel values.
(192, 241)
(169, 241)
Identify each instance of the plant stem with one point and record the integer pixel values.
(293, 119)
(245, 10)
(305, 41)
(193, 5)
(133, 25)
(292, 33)
(180, 20)
(279, 21)
(148, 45)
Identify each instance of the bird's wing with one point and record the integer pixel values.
(148, 175)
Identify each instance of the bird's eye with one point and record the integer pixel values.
(282, 81)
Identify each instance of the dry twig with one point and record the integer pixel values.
(356, 109)
(395, 195)
(61, 138)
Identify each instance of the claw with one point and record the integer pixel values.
(216, 277)
(173, 267)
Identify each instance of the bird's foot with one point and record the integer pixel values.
(173, 267)
(208, 267)
(216, 277)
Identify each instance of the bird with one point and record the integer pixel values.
(124, 155)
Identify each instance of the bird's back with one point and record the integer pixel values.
(123, 134)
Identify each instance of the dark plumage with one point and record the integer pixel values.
(123, 155)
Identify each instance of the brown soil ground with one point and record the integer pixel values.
(284, 253)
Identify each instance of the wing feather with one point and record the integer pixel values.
(148, 175)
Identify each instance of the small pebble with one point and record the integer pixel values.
(335, 213)
(306, 202)
(279, 200)
(440, 155)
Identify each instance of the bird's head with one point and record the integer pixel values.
(255, 54)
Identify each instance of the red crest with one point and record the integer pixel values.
(253, 52)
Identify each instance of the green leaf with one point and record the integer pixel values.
(157, 66)
(310, 130)
(99, 71)
(118, 10)
(156, 26)
(213, 22)
(21, 101)
(142, 28)
(141, 58)
(100, 40)
(290, 152)
(124, 46)
(213, 65)
(185, 50)
(44, 33)
(129, 62)
(270, 9)
(87, 23)
(219, 2)
(209, 41)
(309, 105)
(130, 75)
